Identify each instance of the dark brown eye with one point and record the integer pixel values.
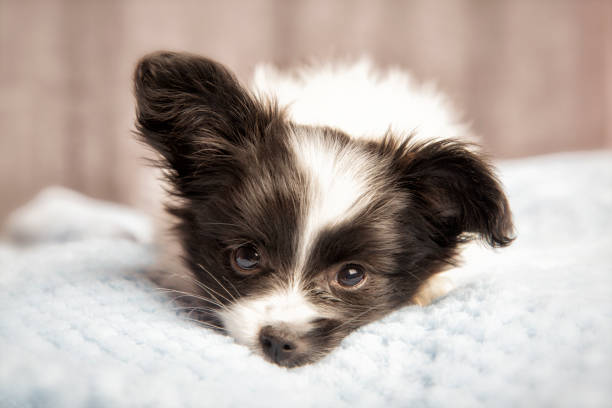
(350, 275)
(245, 258)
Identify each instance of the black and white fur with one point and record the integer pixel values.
(338, 169)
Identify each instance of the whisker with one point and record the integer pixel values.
(219, 283)
(205, 324)
(187, 294)
(194, 308)
(201, 285)
(205, 288)
(210, 292)
(353, 319)
(208, 289)
(232, 285)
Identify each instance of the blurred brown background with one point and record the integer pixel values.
(533, 76)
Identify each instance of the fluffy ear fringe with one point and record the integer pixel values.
(197, 116)
(455, 187)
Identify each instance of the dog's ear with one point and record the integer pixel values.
(456, 191)
(195, 113)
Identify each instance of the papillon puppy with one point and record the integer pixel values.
(314, 202)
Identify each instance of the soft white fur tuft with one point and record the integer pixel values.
(361, 101)
(245, 318)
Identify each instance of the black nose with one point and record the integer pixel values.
(277, 345)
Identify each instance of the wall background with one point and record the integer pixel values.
(533, 76)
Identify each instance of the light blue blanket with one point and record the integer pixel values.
(80, 325)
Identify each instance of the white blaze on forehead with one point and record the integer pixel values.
(244, 319)
(340, 183)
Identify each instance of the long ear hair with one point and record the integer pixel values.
(455, 189)
(195, 113)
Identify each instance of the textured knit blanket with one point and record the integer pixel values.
(529, 326)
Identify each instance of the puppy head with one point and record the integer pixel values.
(299, 235)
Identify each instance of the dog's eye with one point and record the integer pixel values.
(245, 258)
(351, 275)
